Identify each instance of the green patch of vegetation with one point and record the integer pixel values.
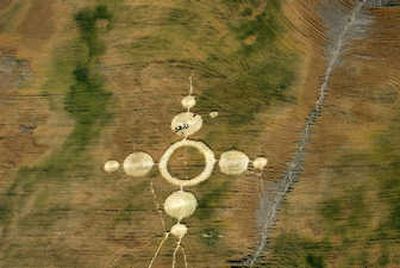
(125, 215)
(358, 259)
(43, 219)
(331, 209)
(388, 176)
(265, 26)
(86, 102)
(210, 200)
(210, 237)
(4, 212)
(150, 44)
(292, 250)
(348, 216)
(87, 99)
(359, 213)
(7, 20)
(87, 21)
(315, 261)
(384, 259)
(184, 16)
(235, 45)
(260, 71)
(132, 204)
(246, 12)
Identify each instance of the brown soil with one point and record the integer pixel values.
(103, 216)
(361, 105)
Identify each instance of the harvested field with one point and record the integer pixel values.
(83, 82)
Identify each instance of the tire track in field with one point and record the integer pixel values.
(295, 167)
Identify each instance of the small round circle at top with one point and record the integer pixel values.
(188, 102)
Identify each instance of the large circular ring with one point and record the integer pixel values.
(204, 175)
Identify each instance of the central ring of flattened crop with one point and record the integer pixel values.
(204, 175)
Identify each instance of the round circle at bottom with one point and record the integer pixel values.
(180, 205)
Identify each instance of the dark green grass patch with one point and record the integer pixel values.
(348, 217)
(210, 236)
(210, 200)
(87, 20)
(388, 176)
(292, 250)
(259, 72)
(86, 101)
(7, 18)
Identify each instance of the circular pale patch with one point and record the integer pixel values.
(187, 123)
(260, 163)
(179, 230)
(111, 166)
(138, 164)
(188, 102)
(214, 114)
(233, 162)
(204, 175)
(180, 205)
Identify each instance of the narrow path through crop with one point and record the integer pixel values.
(296, 165)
